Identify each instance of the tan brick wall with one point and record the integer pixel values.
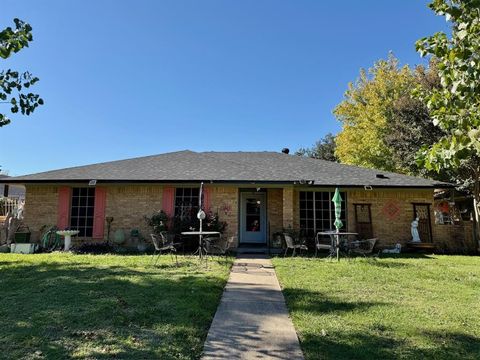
(456, 238)
(396, 229)
(41, 206)
(289, 204)
(275, 210)
(129, 204)
(224, 201)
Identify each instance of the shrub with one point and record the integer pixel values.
(213, 223)
(94, 248)
(158, 221)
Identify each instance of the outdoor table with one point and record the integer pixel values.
(200, 239)
(335, 238)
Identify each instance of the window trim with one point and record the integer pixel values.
(85, 231)
(175, 207)
(331, 210)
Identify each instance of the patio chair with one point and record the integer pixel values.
(221, 245)
(362, 247)
(321, 243)
(290, 244)
(161, 244)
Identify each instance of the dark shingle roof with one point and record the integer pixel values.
(229, 167)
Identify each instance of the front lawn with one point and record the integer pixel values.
(388, 308)
(57, 306)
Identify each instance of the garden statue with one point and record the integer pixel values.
(395, 250)
(414, 229)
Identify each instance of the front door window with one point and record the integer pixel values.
(253, 210)
(253, 218)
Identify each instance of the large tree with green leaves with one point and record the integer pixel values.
(323, 149)
(409, 126)
(455, 105)
(14, 85)
(375, 104)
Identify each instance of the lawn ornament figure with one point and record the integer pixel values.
(395, 250)
(414, 229)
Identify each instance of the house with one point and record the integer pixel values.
(257, 194)
(13, 190)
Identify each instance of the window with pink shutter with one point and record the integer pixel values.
(206, 199)
(63, 215)
(82, 210)
(168, 205)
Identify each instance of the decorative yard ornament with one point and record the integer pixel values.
(337, 202)
(414, 229)
(201, 215)
(395, 250)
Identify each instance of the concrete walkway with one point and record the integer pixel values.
(252, 320)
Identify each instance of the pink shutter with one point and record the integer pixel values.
(99, 212)
(168, 203)
(63, 215)
(206, 199)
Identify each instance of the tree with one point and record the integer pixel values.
(323, 149)
(366, 114)
(455, 105)
(13, 82)
(410, 126)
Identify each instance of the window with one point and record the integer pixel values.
(186, 203)
(317, 211)
(363, 219)
(81, 215)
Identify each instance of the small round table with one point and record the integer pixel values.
(200, 239)
(335, 238)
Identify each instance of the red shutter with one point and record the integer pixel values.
(168, 203)
(99, 212)
(206, 199)
(63, 215)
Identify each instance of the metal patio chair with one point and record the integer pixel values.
(362, 247)
(161, 244)
(290, 244)
(221, 245)
(321, 243)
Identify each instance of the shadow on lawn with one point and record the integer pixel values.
(376, 342)
(369, 345)
(318, 302)
(71, 309)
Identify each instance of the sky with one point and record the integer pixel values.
(123, 79)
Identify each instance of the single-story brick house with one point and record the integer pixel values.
(257, 193)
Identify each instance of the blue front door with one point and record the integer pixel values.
(253, 218)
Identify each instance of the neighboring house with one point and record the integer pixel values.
(257, 193)
(13, 190)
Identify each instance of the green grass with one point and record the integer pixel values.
(425, 307)
(57, 306)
